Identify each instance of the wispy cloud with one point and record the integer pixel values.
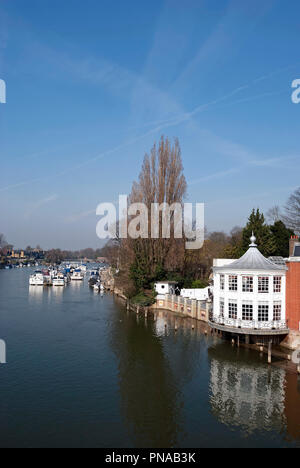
(39, 204)
(79, 216)
(238, 21)
(102, 72)
(216, 175)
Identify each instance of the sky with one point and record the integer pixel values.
(92, 85)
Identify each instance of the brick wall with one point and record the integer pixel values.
(293, 295)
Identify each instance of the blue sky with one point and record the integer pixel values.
(91, 85)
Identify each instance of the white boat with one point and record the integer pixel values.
(98, 287)
(58, 280)
(77, 275)
(37, 279)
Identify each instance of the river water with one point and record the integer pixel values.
(83, 372)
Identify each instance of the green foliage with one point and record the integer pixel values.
(281, 236)
(140, 273)
(233, 251)
(199, 284)
(264, 237)
(144, 299)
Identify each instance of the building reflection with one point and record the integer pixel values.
(252, 396)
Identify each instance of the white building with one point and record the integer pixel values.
(165, 287)
(200, 294)
(249, 295)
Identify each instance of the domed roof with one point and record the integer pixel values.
(253, 260)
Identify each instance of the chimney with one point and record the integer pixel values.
(293, 241)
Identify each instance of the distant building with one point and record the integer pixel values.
(17, 254)
(102, 260)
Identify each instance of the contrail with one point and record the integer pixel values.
(164, 124)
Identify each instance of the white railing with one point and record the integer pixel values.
(251, 324)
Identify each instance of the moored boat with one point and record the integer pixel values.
(77, 275)
(37, 279)
(58, 280)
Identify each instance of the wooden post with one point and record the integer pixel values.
(247, 339)
(270, 352)
(238, 341)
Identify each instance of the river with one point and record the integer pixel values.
(83, 372)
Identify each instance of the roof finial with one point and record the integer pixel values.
(253, 240)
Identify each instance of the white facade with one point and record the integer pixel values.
(200, 294)
(165, 287)
(250, 293)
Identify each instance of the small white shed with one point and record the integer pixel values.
(165, 287)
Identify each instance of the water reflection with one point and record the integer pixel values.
(242, 395)
(248, 394)
(57, 292)
(149, 395)
(36, 293)
(76, 285)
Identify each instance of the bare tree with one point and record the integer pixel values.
(161, 180)
(274, 214)
(292, 211)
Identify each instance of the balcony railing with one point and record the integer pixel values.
(251, 324)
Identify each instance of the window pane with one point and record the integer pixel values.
(277, 284)
(263, 312)
(222, 282)
(233, 283)
(277, 311)
(221, 307)
(247, 283)
(232, 309)
(263, 284)
(247, 311)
